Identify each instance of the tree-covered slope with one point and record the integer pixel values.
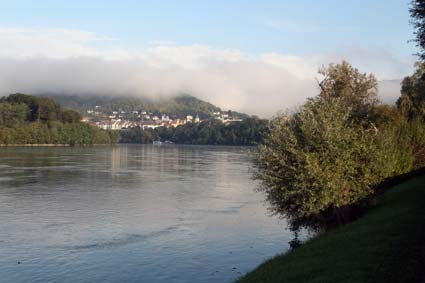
(179, 106)
(249, 132)
(26, 119)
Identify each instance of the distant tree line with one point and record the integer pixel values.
(250, 131)
(26, 119)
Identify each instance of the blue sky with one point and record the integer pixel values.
(298, 27)
(233, 53)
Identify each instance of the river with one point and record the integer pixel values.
(132, 213)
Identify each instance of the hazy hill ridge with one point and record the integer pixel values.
(179, 106)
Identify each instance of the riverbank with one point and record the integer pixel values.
(84, 145)
(385, 245)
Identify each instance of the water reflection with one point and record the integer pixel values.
(132, 214)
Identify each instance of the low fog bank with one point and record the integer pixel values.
(43, 60)
(252, 87)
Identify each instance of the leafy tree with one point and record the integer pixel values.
(13, 114)
(357, 90)
(316, 160)
(417, 12)
(412, 100)
(70, 116)
(250, 131)
(26, 119)
(319, 163)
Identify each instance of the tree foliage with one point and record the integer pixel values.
(250, 131)
(26, 119)
(356, 90)
(412, 100)
(329, 155)
(417, 13)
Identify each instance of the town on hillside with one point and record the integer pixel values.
(119, 119)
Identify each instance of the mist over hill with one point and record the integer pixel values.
(179, 106)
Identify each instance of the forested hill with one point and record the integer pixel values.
(179, 106)
(26, 119)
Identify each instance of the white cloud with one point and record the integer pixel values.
(70, 61)
(52, 43)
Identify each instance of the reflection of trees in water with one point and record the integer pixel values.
(128, 164)
(119, 159)
(28, 165)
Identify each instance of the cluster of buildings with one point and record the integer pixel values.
(117, 120)
(226, 117)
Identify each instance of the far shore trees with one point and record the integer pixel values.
(248, 132)
(26, 119)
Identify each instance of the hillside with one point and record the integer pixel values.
(26, 119)
(179, 106)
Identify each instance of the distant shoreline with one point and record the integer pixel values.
(86, 145)
(49, 145)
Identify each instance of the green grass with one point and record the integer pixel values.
(385, 245)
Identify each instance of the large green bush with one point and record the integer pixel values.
(316, 160)
(322, 162)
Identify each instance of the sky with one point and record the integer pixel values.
(259, 57)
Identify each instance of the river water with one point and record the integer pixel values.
(132, 213)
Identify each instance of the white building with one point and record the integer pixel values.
(150, 125)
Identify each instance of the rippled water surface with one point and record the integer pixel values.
(132, 214)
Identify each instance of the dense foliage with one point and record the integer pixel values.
(329, 155)
(356, 90)
(26, 119)
(417, 12)
(213, 132)
(412, 100)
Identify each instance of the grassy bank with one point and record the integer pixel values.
(385, 245)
